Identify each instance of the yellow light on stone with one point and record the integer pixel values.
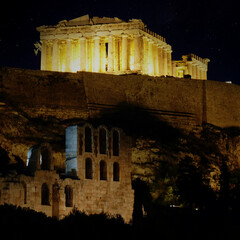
(63, 67)
(150, 69)
(131, 59)
(75, 56)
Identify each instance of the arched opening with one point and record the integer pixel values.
(29, 155)
(116, 143)
(24, 192)
(116, 171)
(45, 194)
(68, 196)
(103, 141)
(88, 139)
(88, 169)
(103, 170)
(32, 158)
(39, 157)
(45, 158)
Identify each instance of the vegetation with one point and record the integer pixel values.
(165, 223)
(187, 185)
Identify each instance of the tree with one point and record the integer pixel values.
(191, 187)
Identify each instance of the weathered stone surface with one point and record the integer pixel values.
(42, 189)
(37, 106)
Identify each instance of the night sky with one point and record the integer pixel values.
(209, 29)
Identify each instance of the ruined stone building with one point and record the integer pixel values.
(86, 73)
(97, 178)
(111, 45)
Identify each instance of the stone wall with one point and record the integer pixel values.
(42, 94)
(183, 102)
(107, 189)
(88, 196)
(29, 94)
(222, 104)
(178, 101)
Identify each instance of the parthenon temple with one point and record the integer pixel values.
(111, 45)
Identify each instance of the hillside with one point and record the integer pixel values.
(177, 167)
(178, 159)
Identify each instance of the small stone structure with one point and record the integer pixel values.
(191, 65)
(97, 179)
(111, 45)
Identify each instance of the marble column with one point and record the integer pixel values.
(169, 62)
(137, 55)
(194, 70)
(102, 55)
(83, 54)
(197, 72)
(155, 59)
(189, 67)
(205, 74)
(55, 55)
(150, 58)
(145, 55)
(69, 56)
(124, 52)
(117, 42)
(96, 63)
(165, 62)
(110, 54)
(75, 55)
(160, 60)
(44, 55)
(49, 50)
(201, 74)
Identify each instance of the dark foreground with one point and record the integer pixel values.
(167, 223)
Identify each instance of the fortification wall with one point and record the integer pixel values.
(178, 101)
(44, 93)
(222, 104)
(182, 102)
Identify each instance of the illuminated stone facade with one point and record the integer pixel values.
(110, 45)
(97, 179)
(191, 65)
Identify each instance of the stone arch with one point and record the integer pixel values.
(46, 160)
(45, 194)
(68, 196)
(88, 168)
(116, 142)
(32, 158)
(116, 172)
(40, 157)
(88, 138)
(103, 170)
(102, 140)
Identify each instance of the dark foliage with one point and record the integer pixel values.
(163, 223)
(138, 122)
(18, 223)
(6, 167)
(190, 186)
(4, 161)
(94, 226)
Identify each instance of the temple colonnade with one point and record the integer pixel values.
(112, 53)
